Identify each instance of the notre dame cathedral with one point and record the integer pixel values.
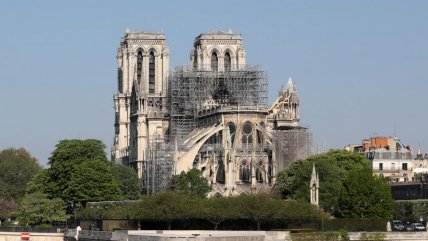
(211, 114)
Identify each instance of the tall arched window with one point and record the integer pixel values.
(247, 135)
(259, 172)
(227, 62)
(232, 133)
(214, 62)
(244, 172)
(152, 76)
(220, 178)
(139, 65)
(120, 79)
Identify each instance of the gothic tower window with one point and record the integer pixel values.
(139, 65)
(227, 62)
(120, 79)
(214, 62)
(152, 78)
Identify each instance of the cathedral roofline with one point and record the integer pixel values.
(143, 34)
(219, 34)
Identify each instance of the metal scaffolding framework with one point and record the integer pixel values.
(194, 91)
(159, 166)
(292, 144)
(195, 94)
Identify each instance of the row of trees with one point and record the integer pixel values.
(348, 189)
(168, 207)
(79, 172)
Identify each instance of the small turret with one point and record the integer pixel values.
(314, 186)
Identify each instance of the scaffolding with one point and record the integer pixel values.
(291, 144)
(159, 165)
(195, 91)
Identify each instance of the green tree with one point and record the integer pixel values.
(190, 183)
(17, 167)
(217, 210)
(80, 172)
(40, 183)
(6, 207)
(259, 208)
(364, 195)
(37, 208)
(76, 151)
(332, 168)
(92, 181)
(128, 181)
(166, 207)
(64, 159)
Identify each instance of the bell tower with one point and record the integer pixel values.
(218, 51)
(141, 99)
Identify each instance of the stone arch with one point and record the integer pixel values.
(217, 194)
(137, 48)
(229, 50)
(153, 49)
(216, 50)
(185, 163)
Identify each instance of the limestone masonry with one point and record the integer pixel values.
(211, 115)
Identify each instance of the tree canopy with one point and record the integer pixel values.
(364, 195)
(92, 181)
(334, 170)
(76, 151)
(6, 207)
(129, 184)
(17, 167)
(190, 183)
(172, 208)
(37, 208)
(80, 172)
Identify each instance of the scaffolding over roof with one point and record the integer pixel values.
(193, 92)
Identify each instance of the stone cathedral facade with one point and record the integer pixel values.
(211, 115)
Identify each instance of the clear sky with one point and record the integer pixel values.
(361, 67)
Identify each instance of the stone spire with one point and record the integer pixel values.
(285, 110)
(314, 186)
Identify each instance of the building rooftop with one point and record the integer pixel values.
(143, 34)
(219, 34)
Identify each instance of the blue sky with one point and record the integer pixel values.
(361, 67)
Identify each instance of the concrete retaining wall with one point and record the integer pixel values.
(206, 235)
(179, 235)
(396, 236)
(15, 236)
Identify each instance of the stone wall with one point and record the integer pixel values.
(182, 235)
(207, 235)
(396, 236)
